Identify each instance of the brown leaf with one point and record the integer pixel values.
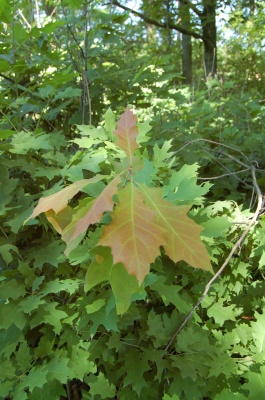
(102, 203)
(133, 235)
(58, 201)
(127, 132)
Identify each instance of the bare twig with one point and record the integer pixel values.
(223, 175)
(232, 252)
(37, 14)
(217, 144)
(24, 19)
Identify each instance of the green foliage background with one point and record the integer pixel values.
(55, 337)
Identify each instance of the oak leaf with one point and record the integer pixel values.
(127, 132)
(133, 236)
(181, 234)
(102, 203)
(58, 201)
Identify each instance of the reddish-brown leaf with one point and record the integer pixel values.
(127, 132)
(133, 235)
(58, 201)
(102, 203)
(181, 234)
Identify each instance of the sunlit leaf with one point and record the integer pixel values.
(127, 132)
(58, 201)
(133, 235)
(181, 234)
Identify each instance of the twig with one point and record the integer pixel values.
(24, 19)
(37, 14)
(227, 169)
(217, 144)
(222, 176)
(232, 252)
(151, 21)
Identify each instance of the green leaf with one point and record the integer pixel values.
(106, 316)
(35, 378)
(23, 142)
(79, 362)
(255, 384)
(31, 303)
(218, 311)
(146, 174)
(100, 386)
(170, 294)
(59, 369)
(215, 227)
(161, 328)
(9, 340)
(124, 286)
(7, 186)
(135, 366)
(5, 251)
(10, 314)
(12, 289)
(110, 123)
(161, 155)
(95, 306)
(100, 269)
(56, 286)
(227, 394)
(54, 316)
(258, 332)
(224, 364)
(69, 92)
(182, 185)
(167, 397)
(143, 129)
(51, 253)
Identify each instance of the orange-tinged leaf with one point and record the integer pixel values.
(61, 220)
(181, 233)
(95, 212)
(58, 201)
(68, 231)
(127, 132)
(133, 236)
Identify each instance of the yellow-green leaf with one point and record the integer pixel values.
(181, 234)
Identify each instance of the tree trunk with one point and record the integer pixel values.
(208, 22)
(186, 53)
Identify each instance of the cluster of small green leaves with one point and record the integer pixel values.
(53, 333)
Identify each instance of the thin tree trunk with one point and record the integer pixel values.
(186, 53)
(208, 21)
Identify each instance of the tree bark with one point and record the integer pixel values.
(186, 45)
(208, 21)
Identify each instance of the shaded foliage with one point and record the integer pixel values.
(66, 330)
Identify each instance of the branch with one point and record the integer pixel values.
(232, 252)
(217, 144)
(7, 78)
(223, 175)
(151, 21)
(193, 8)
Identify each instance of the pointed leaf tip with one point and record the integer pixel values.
(127, 132)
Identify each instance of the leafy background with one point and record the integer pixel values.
(64, 66)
